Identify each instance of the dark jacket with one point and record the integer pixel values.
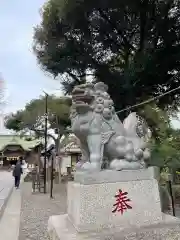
(17, 170)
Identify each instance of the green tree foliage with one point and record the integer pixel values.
(131, 45)
(165, 141)
(58, 114)
(166, 152)
(157, 120)
(14, 121)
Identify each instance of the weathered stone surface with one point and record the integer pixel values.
(110, 176)
(90, 206)
(60, 228)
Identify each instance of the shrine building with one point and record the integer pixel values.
(13, 147)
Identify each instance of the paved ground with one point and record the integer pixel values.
(5, 178)
(6, 183)
(9, 224)
(36, 210)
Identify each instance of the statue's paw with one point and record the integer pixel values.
(139, 153)
(122, 164)
(87, 166)
(130, 157)
(95, 166)
(118, 165)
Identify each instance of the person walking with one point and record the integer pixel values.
(17, 171)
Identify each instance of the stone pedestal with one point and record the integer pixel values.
(90, 204)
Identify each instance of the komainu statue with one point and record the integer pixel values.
(103, 137)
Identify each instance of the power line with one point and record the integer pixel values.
(149, 100)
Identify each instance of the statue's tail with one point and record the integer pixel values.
(131, 127)
(130, 124)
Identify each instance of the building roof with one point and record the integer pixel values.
(70, 144)
(71, 148)
(7, 140)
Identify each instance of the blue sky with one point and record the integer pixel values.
(24, 80)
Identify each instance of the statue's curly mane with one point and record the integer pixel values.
(100, 131)
(94, 98)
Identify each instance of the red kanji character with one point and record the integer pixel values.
(121, 202)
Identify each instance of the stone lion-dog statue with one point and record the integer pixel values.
(102, 136)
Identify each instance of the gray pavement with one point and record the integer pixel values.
(6, 186)
(9, 223)
(36, 210)
(10, 205)
(6, 179)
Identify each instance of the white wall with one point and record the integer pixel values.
(66, 162)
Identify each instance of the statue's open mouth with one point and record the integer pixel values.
(81, 106)
(81, 94)
(82, 98)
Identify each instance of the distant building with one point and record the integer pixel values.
(70, 154)
(13, 147)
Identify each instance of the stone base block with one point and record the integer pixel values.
(60, 228)
(91, 201)
(114, 205)
(111, 176)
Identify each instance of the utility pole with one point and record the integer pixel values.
(52, 172)
(171, 194)
(45, 137)
(53, 159)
